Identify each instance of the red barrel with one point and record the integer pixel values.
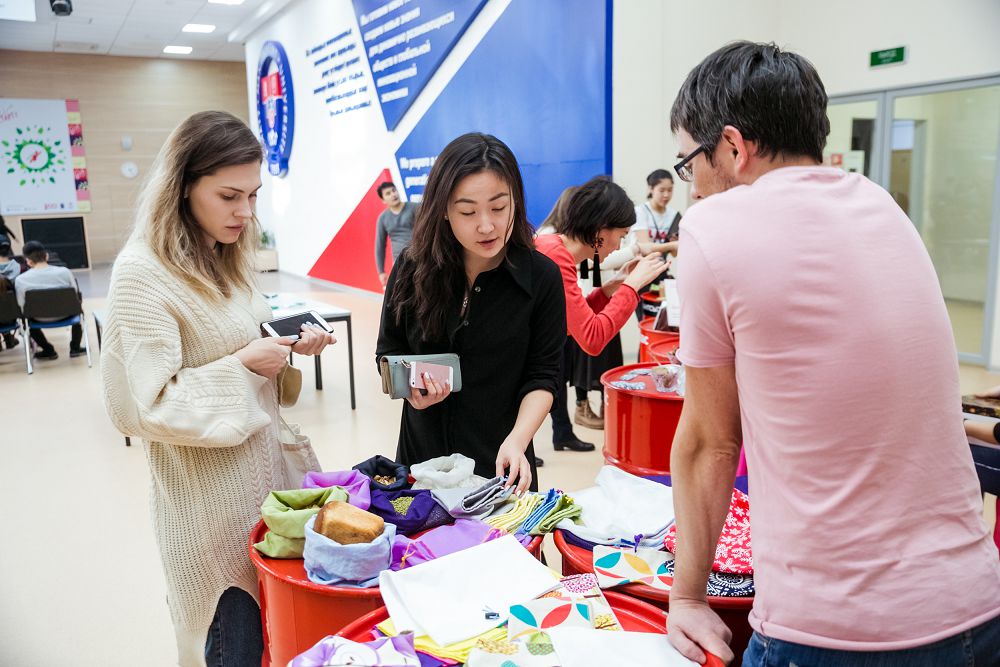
(648, 337)
(633, 614)
(639, 425)
(733, 611)
(296, 613)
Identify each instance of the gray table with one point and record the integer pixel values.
(283, 305)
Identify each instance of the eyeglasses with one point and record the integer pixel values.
(683, 168)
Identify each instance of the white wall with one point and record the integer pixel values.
(657, 42)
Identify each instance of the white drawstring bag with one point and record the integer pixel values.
(446, 472)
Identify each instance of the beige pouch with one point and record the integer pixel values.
(297, 453)
(289, 386)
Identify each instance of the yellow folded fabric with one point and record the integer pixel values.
(512, 520)
(458, 651)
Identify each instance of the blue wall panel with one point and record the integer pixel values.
(540, 81)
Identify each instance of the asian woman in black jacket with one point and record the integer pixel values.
(472, 283)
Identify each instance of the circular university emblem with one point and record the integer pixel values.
(275, 106)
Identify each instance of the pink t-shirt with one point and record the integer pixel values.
(866, 513)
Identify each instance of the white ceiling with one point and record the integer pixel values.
(134, 28)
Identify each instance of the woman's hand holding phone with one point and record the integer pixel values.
(313, 340)
(436, 392)
(266, 356)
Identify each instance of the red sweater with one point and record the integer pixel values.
(595, 319)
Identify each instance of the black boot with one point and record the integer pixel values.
(539, 462)
(575, 444)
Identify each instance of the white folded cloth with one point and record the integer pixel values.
(449, 598)
(585, 647)
(620, 507)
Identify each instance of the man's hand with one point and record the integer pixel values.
(693, 628)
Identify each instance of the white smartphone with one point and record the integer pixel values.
(291, 326)
(437, 372)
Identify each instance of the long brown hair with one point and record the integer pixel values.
(430, 281)
(204, 143)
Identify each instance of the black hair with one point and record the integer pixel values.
(385, 185)
(431, 280)
(598, 204)
(773, 97)
(5, 250)
(34, 251)
(5, 230)
(656, 176)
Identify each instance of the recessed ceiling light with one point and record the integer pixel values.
(178, 50)
(225, 2)
(198, 27)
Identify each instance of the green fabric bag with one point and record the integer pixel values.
(565, 509)
(286, 512)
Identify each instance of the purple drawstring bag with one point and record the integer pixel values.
(355, 483)
(441, 541)
(410, 511)
(385, 652)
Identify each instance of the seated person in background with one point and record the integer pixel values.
(43, 276)
(9, 268)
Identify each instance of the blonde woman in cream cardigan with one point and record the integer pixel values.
(186, 369)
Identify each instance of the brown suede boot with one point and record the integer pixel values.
(585, 416)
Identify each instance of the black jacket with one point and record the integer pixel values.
(510, 343)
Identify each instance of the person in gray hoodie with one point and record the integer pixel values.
(9, 269)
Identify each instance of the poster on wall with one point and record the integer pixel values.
(43, 167)
(383, 86)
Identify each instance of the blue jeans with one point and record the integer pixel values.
(978, 647)
(235, 638)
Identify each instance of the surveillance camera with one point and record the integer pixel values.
(61, 7)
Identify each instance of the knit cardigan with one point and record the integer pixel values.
(208, 424)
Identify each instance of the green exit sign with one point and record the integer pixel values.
(888, 57)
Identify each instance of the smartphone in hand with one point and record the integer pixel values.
(440, 373)
(291, 326)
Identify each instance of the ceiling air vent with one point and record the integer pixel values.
(77, 47)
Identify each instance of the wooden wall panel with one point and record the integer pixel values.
(144, 98)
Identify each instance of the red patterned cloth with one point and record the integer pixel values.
(732, 553)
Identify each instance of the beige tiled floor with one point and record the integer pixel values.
(80, 580)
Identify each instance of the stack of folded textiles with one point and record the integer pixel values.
(534, 514)
(621, 509)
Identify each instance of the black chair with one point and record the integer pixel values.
(61, 305)
(10, 316)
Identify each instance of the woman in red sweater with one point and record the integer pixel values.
(598, 216)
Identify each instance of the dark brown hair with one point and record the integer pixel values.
(431, 278)
(201, 145)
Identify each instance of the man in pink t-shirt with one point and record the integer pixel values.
(814, 331)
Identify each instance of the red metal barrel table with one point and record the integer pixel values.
(633, 614)
(639, 425)
(296, 613)
(648, 337)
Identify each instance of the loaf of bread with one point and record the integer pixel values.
(346, 524)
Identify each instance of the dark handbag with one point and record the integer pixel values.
(380, 466)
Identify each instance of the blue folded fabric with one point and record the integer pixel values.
(351, 565)
(542, 511)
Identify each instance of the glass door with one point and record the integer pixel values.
(855, 135)
(941, 168)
